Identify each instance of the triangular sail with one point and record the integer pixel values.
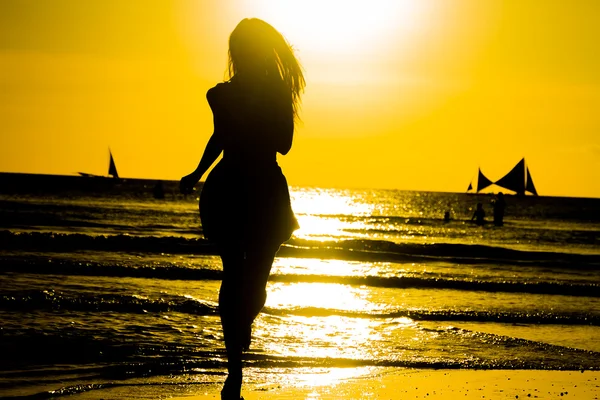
(515, 179)
(470, 187)
(482, 181)
(112, 168)
(529, 186)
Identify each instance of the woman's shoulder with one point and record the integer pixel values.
(217, 91)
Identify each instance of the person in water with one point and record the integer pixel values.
(499, 205)
(245, 204)
(479, 215)
(447, 216)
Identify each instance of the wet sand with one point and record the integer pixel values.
(434, 384)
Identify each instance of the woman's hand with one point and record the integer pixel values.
(186, 185)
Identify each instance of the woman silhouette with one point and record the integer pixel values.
(245, 203)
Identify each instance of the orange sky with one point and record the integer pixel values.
(405, 94)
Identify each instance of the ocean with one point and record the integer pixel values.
(107, 291)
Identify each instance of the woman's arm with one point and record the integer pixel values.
(213, 149)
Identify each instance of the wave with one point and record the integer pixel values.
(64, 242)
(355, 249)
(568, 289)
(451, 315)
(95, 216)
(152, 375)
(189, 359)
(146, 371)
(42, 265)
(35, 300)
(456, 230)
(125, 381)
(29, 300)
(391, 220)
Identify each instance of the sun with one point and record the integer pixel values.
(340, 26)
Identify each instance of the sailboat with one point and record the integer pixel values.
(112, 169)
(482, 182)
(518, 180)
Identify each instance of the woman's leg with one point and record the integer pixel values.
(241, 298)
(230, 310)
(257, 267)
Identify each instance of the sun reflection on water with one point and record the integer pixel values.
(318, 295)
(391, 215)
(329, 267)
(318, 228)
(317, 211)
(330, 202)
(316, 377)
(330, 319)
(332, 337)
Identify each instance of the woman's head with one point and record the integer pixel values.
(258, 49)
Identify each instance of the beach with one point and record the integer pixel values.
(438, 384)
(400, 199)
(109, 292)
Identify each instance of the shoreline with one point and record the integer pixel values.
(429, 384)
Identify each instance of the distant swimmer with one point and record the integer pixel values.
(159, 190)
(479, 215)
(447, 216)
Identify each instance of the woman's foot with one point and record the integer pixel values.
(232, 387)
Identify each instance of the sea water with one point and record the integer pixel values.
(110, 292)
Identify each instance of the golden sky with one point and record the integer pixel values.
(404, 94)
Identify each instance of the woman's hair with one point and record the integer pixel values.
(256, 39)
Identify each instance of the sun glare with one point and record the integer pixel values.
(339, 26)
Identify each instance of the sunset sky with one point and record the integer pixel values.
(401, 94)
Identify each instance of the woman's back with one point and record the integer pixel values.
(254, 120)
